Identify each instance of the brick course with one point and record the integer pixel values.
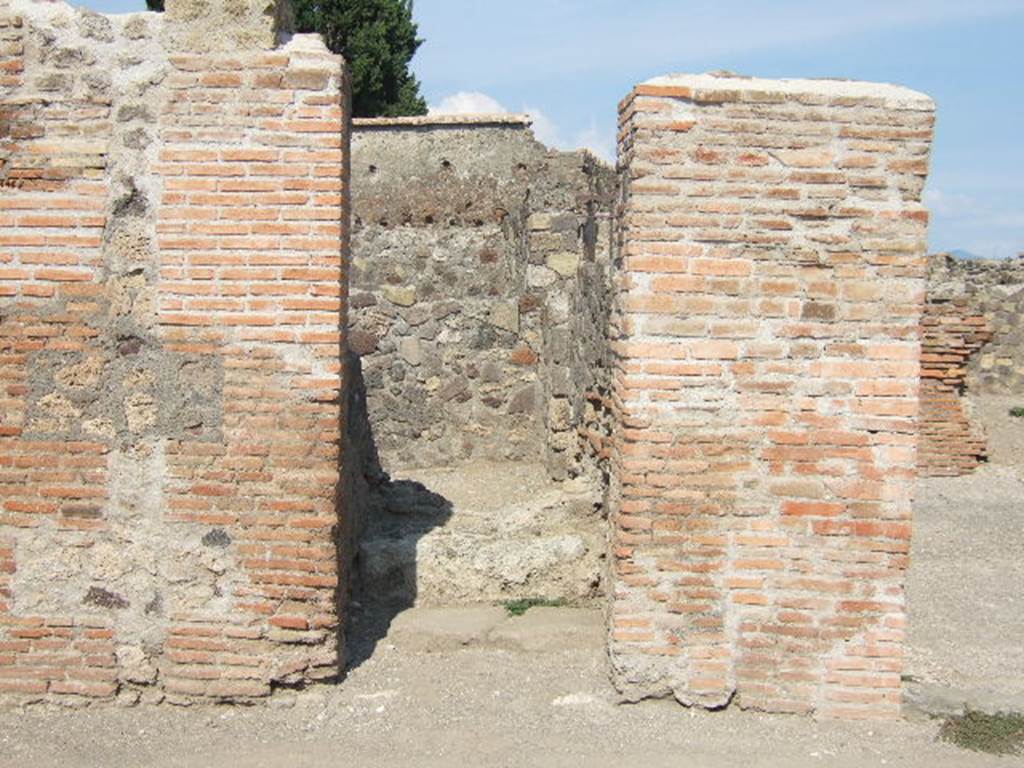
(767, 342)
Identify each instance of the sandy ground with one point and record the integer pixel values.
(413, 703)
(487, 707)
(966, 584)
(1004, 433)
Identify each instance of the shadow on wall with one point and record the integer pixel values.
(394, 514)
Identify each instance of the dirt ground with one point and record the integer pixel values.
(503, 702)
(486, 707)
(1004, 433)
(965, 590)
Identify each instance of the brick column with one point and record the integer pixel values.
(951, 443)
(173, 277)
(253, 162)
(770, 292)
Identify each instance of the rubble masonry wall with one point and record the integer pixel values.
(480, 292)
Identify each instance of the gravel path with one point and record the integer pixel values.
(966, 585)
(487, 707)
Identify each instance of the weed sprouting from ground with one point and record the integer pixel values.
(1001, 734)
(1017, 412)
(519, 607)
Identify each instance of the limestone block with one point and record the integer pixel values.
(505, 315)
(403, 296)
(226, 25)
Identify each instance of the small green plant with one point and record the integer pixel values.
(519, 607)
(1017, 412)
(1001, 734)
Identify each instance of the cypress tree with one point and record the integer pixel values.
(378, 40)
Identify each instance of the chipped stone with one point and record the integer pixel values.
(411, 350)
(565, 263)
(403, 296)
(505, 315)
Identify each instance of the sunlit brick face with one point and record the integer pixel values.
(771, 285)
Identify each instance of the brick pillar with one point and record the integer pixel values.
(253, 157)
(173, 274)
(770, 292)
(951, 443)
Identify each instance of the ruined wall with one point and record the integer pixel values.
(993, 289)
(171, 284)
(479, 290)
(973, 343)
(771, 288)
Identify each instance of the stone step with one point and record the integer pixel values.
(539, 630)
(482, 533)
(944, 700)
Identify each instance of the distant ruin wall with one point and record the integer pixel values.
(770, 294)
(479, 291)
(973, 344)
(172, 278)
(952, 334)
(994, 290)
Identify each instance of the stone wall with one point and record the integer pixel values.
(479, 290)
(993, 289)
(768, 307)
(172, 278)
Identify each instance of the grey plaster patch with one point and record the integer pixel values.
(218, 537)
(125, 390)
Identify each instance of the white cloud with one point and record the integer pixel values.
(593, 139)
(467, 103)
(601, 143)
(544, 128)
(949, 203)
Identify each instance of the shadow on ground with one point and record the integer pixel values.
(399, 512)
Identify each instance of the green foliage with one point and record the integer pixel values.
(519, 607)
(1018, 412)
(1000, 734)
(378, 40)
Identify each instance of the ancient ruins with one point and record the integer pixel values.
(234, 325)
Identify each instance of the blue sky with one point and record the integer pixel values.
(568, 62)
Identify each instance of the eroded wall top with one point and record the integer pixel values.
(227, 25)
